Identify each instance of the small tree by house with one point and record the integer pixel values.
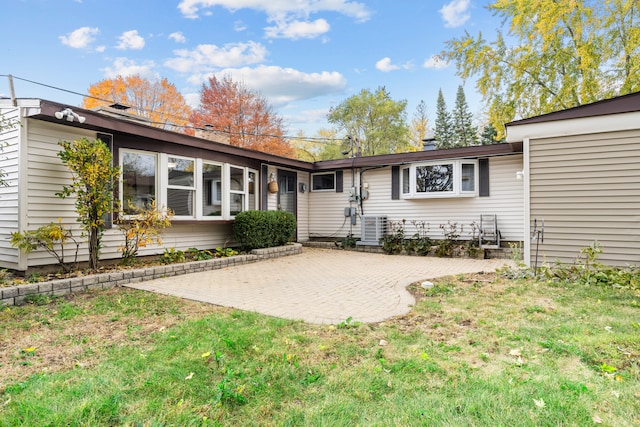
(93, 180)
(143, 228)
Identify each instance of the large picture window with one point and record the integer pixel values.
(138, 183)
(192, 188)
(455, 178)
(434, 178)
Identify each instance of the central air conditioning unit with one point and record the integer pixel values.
(373, 229)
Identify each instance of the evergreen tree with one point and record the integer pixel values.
(419, 126)
(464, 134)
(489, 136)
(443, 130)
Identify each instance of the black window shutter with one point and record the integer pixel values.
(483, 173)
(108, 140)
(264, 183)
(395, 182)
(339, 182)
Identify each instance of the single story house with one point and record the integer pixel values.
(582, 180)
(206, 182)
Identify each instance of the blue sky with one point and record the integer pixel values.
(303, 56)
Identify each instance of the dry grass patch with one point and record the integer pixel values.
(68, 333)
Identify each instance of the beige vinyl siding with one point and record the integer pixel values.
(505, 200)
(587, 188)
(47, 175)
(326, 211)
(9, 159)
(205, 235)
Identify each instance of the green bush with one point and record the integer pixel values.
(264, 229)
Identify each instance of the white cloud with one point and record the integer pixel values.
(239, 26)
(435, 62)
(280, 9)
(127, 67)
(178, 37)
(385, 65)
(455, 13)
(281, 85)
(298, 29)
(80, 38)
(130, 40)
(207, 57)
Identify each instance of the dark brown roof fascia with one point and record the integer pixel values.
(621, 104)
(419, 156)
(103, 123)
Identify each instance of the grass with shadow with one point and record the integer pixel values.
(476, 350)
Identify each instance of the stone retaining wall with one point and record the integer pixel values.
(18, 295)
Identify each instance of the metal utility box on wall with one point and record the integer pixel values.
(373, 229)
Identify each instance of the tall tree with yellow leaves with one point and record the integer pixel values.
(159, 101)
(558, 54)
(247, 117)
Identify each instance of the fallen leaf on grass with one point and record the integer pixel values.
(188, 377)
(597, 419)
(205, 355)
(539, 403)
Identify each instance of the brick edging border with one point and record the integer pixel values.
(18, 295)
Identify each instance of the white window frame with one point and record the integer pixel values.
(229, 192)
(166, 186)
(323, 189)
(197, 189)
(256, 177)
(201, 189)
(456, 191)
(121, 153)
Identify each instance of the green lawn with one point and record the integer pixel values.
(477, 350)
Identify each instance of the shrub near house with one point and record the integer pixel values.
(264, 229)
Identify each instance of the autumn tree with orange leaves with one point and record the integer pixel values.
(159, 101)
(247, 117)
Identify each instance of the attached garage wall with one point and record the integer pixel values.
(587, 188)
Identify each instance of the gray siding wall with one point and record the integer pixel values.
(587, 188)
(9, 212)
(326, 209)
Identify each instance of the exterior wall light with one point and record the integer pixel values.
(69, 114)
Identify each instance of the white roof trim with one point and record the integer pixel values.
(578, 126)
